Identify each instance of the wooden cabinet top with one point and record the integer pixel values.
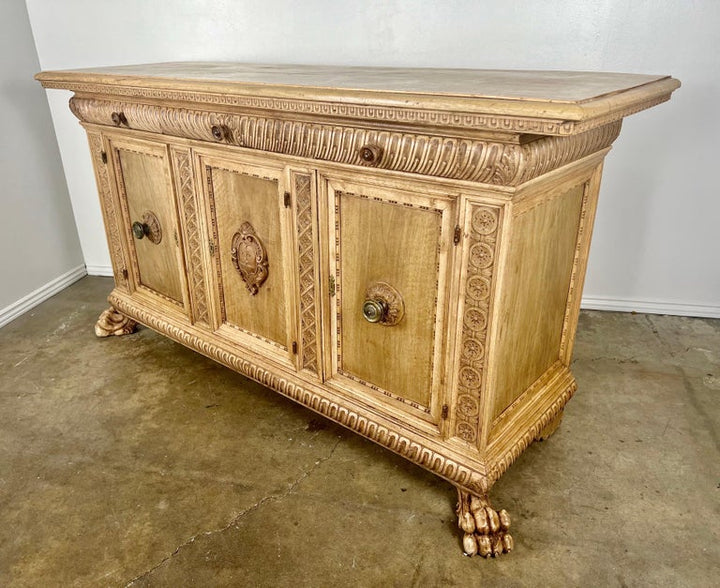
(537, 102)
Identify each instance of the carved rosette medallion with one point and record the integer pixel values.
(249, 258)
(484, 223)
(306, 266)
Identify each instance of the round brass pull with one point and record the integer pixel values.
(219, 132)
(118, 118)
(140, 229)
(383, 305)
(374, 310)
(370, 154)
(149, 227)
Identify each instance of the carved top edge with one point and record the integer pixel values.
(544, 103)
(488, 162)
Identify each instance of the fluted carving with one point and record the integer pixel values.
(488, 162)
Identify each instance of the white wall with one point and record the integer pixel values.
(656, 236)
(39, 248)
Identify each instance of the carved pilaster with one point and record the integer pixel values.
(189, 210)
(109, 210)
(306, 267)
(484, 224)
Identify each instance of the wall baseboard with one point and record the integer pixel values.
(100, 270)
(650, 307)
(588, 302)
(14, 310)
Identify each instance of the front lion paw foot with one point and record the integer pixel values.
(486, 530)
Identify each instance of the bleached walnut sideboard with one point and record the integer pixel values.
(400, 250)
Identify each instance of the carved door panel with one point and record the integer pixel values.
(389, 254)
(151, 233)
(251, 243)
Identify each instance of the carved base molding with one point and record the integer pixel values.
(112, 322)
(486, 530)
(454, 469)
(547, 431)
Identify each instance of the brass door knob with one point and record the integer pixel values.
(374, 310)
(148, 226)
(383, 305)
(118, 118)
(140, 229)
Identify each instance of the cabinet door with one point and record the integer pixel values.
(389, 264)
(149, 209)
(251, 243)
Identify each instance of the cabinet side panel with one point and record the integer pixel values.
(534, 299)
(110, 210)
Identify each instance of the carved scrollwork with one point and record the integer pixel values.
(249, 258)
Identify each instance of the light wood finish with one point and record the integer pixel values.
(145, 188)
(534, 295)
(402, 239)
(459, 204)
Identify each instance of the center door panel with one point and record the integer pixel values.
(250, 240)
(389, 266)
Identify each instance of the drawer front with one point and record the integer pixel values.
(149, 210)
(251, 253)
(389, 256)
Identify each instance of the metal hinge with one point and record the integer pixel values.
(331, 289)
(294, 347)
(212, 247)
(444, 413)
(103, 156)
(457, 235)
(287, 200)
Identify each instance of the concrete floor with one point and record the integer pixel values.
(134, 461)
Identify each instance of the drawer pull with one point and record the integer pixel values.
(370, 154)
(219, 132)
(383, 305)
(249, 258)
(118, 119)
(148, 226)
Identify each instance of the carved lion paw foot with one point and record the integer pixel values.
(111, 322)
(486, 530)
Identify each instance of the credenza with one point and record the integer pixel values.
(400, 250)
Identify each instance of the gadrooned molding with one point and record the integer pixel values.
(500, 466)
(488, 162)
